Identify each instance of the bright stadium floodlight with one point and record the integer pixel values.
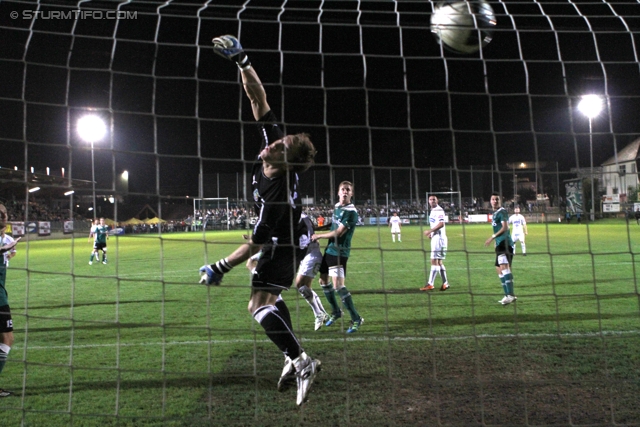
(591, 106)
(91, 128)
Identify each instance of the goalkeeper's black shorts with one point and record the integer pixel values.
(276, 269)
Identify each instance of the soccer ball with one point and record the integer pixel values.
(463, 26)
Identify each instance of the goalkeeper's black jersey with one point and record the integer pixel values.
(277, 203)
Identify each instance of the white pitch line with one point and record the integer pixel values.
(418, 263)
(320, 340)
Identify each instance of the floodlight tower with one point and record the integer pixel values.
(92, 128)
(591, 106)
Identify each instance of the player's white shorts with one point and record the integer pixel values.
(438, 247)
(395, 229)
(310, 264)
(518, 237)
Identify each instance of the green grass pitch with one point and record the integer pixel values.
(138, 342)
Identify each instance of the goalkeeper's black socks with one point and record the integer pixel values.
(284, 311)
(277, 330)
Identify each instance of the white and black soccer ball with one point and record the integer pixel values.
(463, 26)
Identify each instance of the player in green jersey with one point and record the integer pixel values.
(504, 248)
(336, 255)
(7, 250)
(100, 234)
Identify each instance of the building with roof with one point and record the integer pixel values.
(621, 173)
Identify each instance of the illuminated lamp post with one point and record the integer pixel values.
(92, 128)
(591, 106)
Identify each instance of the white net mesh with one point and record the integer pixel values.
(140, 343)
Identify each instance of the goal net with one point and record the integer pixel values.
(138, 341)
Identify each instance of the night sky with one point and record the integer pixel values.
(366, 79)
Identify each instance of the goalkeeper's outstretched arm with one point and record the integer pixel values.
(229, 47)
(212, 274)
(255, 92)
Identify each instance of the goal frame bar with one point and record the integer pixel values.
(202, 199)
(450, 193)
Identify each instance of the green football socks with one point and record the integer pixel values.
(504, 285)
(508, 283)
(330, 293)
(347, 301)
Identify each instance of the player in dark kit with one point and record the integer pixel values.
(7, 249)
(100, 234)
(277, 204)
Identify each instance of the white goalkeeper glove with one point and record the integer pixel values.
(230, 48)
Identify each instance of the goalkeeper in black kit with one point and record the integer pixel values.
(277, 204)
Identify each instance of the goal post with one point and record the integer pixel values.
(211, 212)
(447, 200)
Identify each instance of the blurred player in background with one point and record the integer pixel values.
(439, 242)
(309, 266)
(7, 251)
(5, 239)
(504, 248)
(277, 204)
(519, 230)
(100, 233)
(396, 225)
(336, 255)
(92, 239)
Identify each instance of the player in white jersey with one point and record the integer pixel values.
(5, 239)
(309, 266)
(396, 225)
(519, 230)
(438, 237)
(92, 238)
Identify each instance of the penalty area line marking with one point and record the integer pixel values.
(324, 340)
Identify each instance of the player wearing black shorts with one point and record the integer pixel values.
(277, 204)
(6, 323)
(504, 248)
(336, 255)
